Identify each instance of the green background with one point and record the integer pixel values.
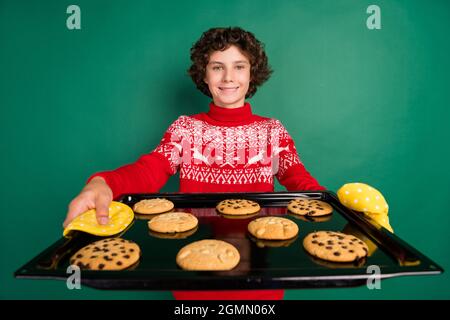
(362, 105)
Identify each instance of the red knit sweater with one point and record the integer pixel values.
(223, 150)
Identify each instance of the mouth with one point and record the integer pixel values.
(228, 89)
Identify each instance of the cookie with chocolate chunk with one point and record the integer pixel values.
(238, 207)
(173, 222)
(309, 207)
(107, 254)
(153, 206)
(207, 255)
(273, 228)
(335, 246)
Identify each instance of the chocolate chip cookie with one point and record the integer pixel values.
(238, 207)
(335, 246)
(309, 207)
(107, 254)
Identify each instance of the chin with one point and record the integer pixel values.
(228, 100)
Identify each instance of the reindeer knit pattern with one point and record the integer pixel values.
(223, 150)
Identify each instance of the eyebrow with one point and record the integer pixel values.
(239, 61)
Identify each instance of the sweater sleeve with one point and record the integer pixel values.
(151, 171)
(290, 171)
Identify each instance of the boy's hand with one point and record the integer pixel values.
(95, 195)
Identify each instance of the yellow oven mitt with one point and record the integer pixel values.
(366, 199)
(120, 217)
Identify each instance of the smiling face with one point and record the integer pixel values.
(228, 77)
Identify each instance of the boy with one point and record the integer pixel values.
(227, 149)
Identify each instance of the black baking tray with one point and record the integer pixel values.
(263, 265)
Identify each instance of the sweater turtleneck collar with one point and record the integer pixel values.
(235, 115)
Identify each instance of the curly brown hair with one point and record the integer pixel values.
(219, 39)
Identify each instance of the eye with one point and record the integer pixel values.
(240, 67)
(217, 68)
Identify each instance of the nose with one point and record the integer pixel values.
(228, 76)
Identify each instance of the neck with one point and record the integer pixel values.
(230, 115)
